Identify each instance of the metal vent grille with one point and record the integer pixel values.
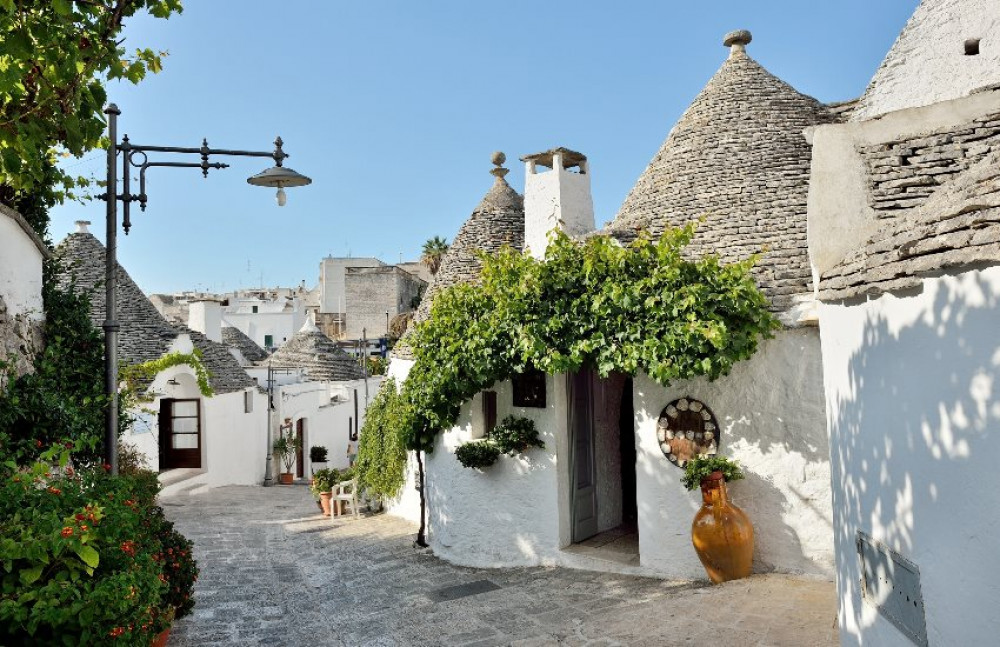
(891, 583)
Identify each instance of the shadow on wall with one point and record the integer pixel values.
(915, 441)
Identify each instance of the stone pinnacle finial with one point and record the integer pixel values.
(498, 159)
(81, 226)
(737, 41)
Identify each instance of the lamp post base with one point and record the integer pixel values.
(268, 474)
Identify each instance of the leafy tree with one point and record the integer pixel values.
(56, 58)
(433, 253)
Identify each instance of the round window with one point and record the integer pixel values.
(687, 428)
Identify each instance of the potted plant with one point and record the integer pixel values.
(515, 435)
(721, 533)
(478, 454)
(317, 456)
(321, 486)
(286, 446)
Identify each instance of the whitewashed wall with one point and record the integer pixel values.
(20, 270)
(233, 441)
(507, 514)
(280, 325)
(913, 403)
(770, 409)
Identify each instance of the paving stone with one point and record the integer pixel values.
(274, 572)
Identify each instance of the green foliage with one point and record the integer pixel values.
(323, 481)
(63, 401)
(701, 467)
(78, 556)
(515, 435)
(57, 56)
(286, 446)
(180, 570)
(381, 462)
(139, 374)
(594, 303)
(478, 454)
(318, 454)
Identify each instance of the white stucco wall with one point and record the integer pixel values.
(770, 409)
(553, 199)
(20, 271)
(256, 325)
(928, 64)
(913, 403)
(507, 514)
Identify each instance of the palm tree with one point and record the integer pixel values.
(433, 252)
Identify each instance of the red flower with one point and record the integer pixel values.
(79, 516)
(67, 532)
(55, 490)
(38, 443)
(128, 547)
(117, 631)
(107, 467)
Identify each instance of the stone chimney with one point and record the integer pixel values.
(556, 196)
(205, 316)
(81, 226)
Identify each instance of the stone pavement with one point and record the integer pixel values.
(274, 572)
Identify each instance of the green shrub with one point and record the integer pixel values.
(515, 435)
(180, 569)
(381, 463)
(478, 454)
(78, 559)
(701, 467)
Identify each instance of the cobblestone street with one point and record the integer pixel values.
(274, 572)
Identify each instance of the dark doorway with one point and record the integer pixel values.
(300, 433)
(180, 433)
(581, 443)
(626, 426)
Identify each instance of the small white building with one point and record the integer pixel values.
(222, 439)
(319, 393)
(904, 235)
(22, 254)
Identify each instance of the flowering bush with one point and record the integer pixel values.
(84, 558)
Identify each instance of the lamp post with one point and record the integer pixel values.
(133, 155)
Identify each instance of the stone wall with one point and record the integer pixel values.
(20, 337)
(906, 171)
(373, 291)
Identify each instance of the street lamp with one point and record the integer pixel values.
(134, 155)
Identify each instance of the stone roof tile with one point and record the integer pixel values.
(318, 355)
(234, 337)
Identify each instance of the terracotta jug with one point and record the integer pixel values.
(722, 534)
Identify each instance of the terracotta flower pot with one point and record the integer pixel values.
(722, 534)
(285, 478)
(161, 638)
(324, 500)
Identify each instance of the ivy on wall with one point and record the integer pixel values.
(138, 374)
(640, 307)
(381, 462)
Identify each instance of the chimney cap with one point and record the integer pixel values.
(81, 226)
(738, 39)
(570, 158)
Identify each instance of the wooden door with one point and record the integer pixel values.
(300, 433)
(581, 443)
(180, 433)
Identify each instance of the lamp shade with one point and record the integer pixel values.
(278, 177)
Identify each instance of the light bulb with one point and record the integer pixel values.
(281, 197)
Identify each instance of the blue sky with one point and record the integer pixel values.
(393, 108)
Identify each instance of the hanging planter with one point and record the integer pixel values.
(721, 533)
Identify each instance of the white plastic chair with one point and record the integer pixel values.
(345, 491)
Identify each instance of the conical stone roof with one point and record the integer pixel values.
(318, 355)
(144, 335)
(737, 158)
(496, 221)
(234, 338)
